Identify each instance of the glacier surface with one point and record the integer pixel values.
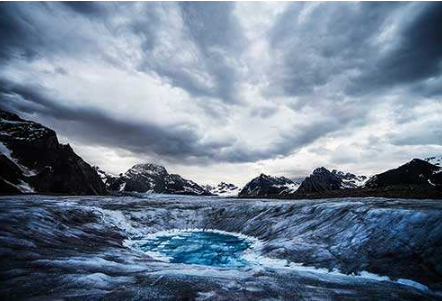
(332, 249)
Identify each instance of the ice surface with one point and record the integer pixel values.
(353, 249)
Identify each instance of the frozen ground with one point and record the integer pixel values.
(82, 248)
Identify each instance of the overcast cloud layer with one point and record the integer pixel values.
(225, 91)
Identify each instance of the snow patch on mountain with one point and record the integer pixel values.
(105, 176)
(321, 180)
(435, 160)
(153, 178)
(265, 185)
(223, 189)
(288, 188)
(350, 180)
(8, 153)
(22, 186)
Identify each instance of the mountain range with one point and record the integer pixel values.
(153, 178)
(33, 161)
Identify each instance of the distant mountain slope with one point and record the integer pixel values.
(32, 160)
(322, 180)
(265, 185)
(350, 180)
(223, 189)
(145, 178)
(417, 172)
(436, 160)
(106, 177)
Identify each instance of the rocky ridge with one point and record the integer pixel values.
(153, 178)
(33, 161)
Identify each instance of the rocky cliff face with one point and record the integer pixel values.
(32, 160)
(265, 185)
(152, 178)
(414, 173)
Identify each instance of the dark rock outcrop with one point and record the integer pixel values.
(149, 177)
(414, 173)
(32, 160)
(265, 185)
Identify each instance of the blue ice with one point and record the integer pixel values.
(200, 247)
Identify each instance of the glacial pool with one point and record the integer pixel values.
(197, 247)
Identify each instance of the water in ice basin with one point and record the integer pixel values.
(199, 247)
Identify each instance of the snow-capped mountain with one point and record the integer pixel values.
(265, 185)
(223, 189)
(322, 180)
(417, 172)
(436, 160)
(350, 180)
(32, 160)
(145, 178)
(105, 176)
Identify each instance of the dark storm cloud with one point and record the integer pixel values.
(93, 126)
(339, 39)
(44, 30)
(198, 48)
(417, 56)
(18, 37)
(212, 24)
(84, 7)
(329, 41)
(212, 30)
(182, 141)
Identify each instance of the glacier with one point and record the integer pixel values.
(80, 247)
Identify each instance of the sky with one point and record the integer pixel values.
(224, 91)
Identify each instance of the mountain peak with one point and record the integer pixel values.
(149, 168)
(263, 176)
(265, 185)
(150, 177)
(414, 172)
(321, 179)
(321, 170)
